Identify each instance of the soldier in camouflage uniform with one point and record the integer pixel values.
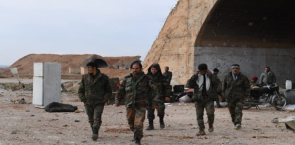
(236, 87)
(168, 74)
(162, 94)
(135, 88)
(205, 93)
(94, 91)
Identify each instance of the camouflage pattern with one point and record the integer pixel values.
(94, 115)
(267, 78)
(94, 90)
(235, 92)
(212, 92)
(201, 101)
(136, 90)
(209, 106)
(135, 118)
(236, 89)
(163, 90)
(168, 75)
(235, 107)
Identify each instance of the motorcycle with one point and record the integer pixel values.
(266, 94)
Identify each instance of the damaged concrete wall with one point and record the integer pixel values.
(174, 46)
(253, 33)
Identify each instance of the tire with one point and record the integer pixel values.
(279, 102)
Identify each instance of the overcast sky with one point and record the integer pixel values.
(104, 27)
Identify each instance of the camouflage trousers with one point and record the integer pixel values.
(94, 114)
(200, 106)
(235, 107)
(135, 118)
(160, 106)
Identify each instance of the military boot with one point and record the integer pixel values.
(211, 128)
(201, 132)
(151, 125)
(137, 141)
(162, 124)
(95, 134)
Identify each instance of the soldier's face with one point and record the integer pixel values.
(266, 70)
(203, 72)
(166, 68)
(136, 69)
(90, 69)
(154, 70)
(215, 73)
(235, 70)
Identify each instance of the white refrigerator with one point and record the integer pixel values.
(46, 84)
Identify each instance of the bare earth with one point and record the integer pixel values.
(26, 125)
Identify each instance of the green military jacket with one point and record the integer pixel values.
(212, 92)
(95, 89)
(136, 90)
(168, 75)
(239, 88)
(163, 87)
(267, 78)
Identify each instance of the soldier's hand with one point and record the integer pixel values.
(197, 73)
(167, 99)
(117, 104)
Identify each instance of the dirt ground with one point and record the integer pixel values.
(23, 124)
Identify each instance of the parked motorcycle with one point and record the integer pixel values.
(266, 94)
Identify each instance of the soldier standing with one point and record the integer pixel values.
(162, 94)
(136, 88)
(168, 74)
(236, 87)
(267, 77)
(205, 93)
(94, 92)
(219, 89)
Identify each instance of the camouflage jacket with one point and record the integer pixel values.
(168, 75)
(236, 89)
(212, 92)
(163, 87)
(95, 89)
(135, 90)
(267, 78)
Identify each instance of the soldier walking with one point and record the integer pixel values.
(236, 87)
(162, 94)
(94, 92)
(205, 93)
(135, 88)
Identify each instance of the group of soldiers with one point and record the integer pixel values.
(148, 92)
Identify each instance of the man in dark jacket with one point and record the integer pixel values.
(205, 93)
(267, 77)
(162, 94)
(168, 74)
(236, 87)
(94, 92)
(135, 88)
